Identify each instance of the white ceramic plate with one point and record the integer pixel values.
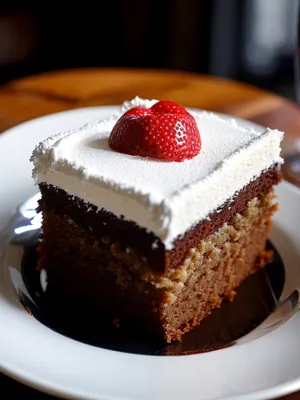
(30, 352)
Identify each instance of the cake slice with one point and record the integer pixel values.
(156, 241)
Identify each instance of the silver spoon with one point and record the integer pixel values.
(22, 224)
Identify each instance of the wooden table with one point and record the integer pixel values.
(38, 95)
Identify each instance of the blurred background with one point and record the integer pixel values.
(248, 40)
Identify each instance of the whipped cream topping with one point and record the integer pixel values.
(167, 198)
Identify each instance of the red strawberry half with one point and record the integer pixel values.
(165, 131)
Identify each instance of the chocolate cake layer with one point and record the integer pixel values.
(129, 234)
(95, 272)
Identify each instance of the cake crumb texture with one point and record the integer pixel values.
(102, 272)
(102, 224)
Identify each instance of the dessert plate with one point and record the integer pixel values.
(263, 364)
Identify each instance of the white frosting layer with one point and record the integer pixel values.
(167, 198)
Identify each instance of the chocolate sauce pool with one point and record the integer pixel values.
(255, 300)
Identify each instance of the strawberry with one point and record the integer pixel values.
(165, 131)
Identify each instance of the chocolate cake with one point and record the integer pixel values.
(155, 237)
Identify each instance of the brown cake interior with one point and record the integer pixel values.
(96, 258)
(101, 223)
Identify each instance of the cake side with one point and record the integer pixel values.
(99, 270)
(165, 198)
(133, 238)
